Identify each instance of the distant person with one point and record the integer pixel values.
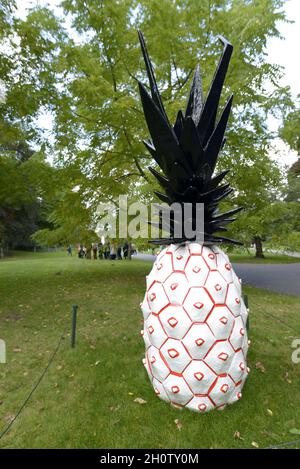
(69, 250)
(95, 249)
(125, 250)
(112, 252)
(107, 250)
(88, 253)
(80, 252)
(119, 252)
(100, 251)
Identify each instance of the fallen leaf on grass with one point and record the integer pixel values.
(286, 377)
(130, 394)
(9, 418)
(139, 400)
(17, 349)
(237, 435)
(270, 412)
(260, 366)
(114, 408)
(178, 424)
(256, 445)
(97, 362)
(271, 435)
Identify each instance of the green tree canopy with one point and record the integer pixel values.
(84, 71)
(290, 131)
(290, 134)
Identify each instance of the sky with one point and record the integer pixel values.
(282, 52)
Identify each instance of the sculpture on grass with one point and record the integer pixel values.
(195, 316)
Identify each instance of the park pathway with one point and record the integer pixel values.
(281, 278)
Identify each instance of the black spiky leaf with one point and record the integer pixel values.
(187, 153)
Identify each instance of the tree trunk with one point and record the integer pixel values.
(129, 251)
(258, 247)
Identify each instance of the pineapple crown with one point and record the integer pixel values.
(187, 152)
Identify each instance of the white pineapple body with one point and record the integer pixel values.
(195, 328)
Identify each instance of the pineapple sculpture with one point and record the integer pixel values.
(194, 314)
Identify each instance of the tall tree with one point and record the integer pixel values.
(290, 133)
(28, 84)
(89, 72)
(25, 183)
(29, 80)
(99, 106)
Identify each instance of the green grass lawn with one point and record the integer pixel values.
(86, 399)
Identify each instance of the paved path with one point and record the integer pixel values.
(282, 278)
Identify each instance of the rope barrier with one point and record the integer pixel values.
(282, 445)
(6, 430)
(269, 315)
(36, 384)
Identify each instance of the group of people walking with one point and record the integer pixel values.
(103, 251)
